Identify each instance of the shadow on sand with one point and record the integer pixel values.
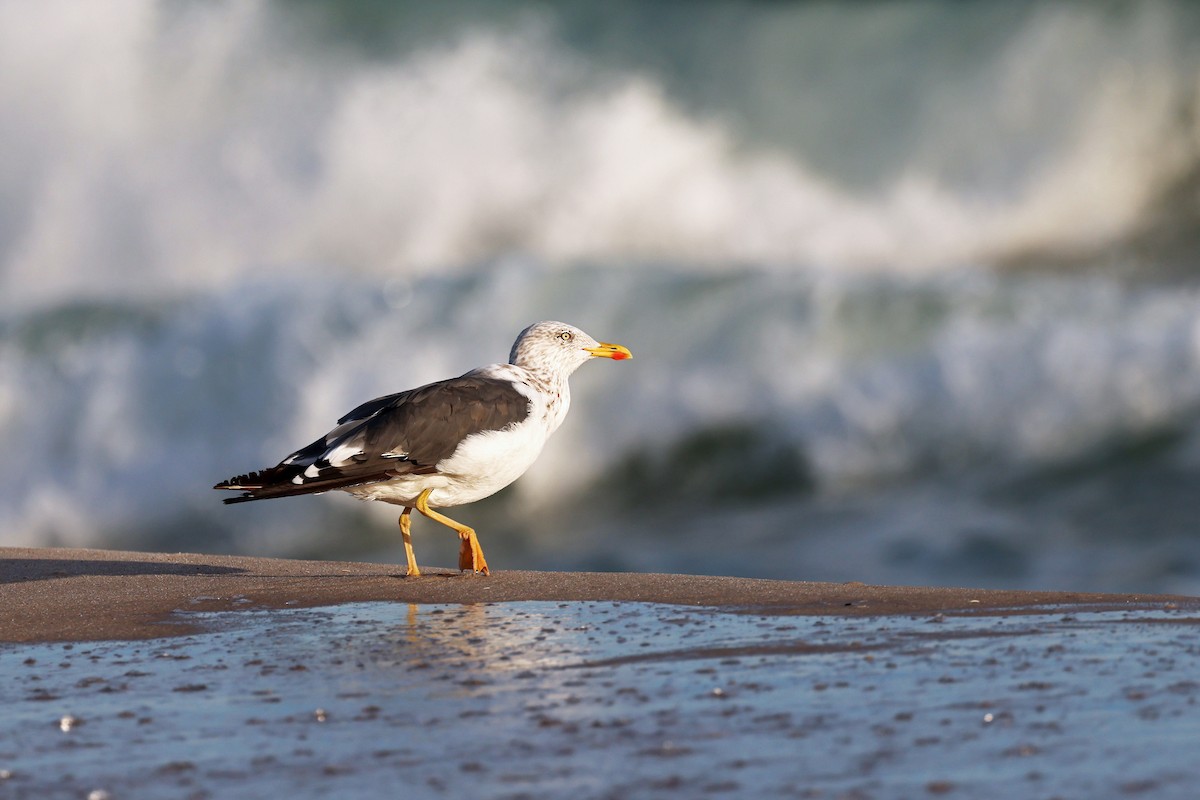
(16, 570)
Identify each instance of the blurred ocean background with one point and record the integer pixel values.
(912, 287)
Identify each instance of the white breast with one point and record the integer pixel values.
(486, 462)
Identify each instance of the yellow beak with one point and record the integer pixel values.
(614, 351)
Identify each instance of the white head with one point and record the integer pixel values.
(559, 348)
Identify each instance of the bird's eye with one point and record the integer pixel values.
(566, 336)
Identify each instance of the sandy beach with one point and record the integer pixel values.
(177, 675)
(80, 595)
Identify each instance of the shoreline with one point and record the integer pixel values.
(290, 682)
(76, 595)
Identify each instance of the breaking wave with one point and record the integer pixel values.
(183, 145)
(750, 391)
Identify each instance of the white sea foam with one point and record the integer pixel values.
(159, 147)
(112, 424)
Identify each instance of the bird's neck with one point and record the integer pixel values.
(554, 385)
(551, 381)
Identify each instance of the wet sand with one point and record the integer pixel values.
(148, 675)
(81, 595)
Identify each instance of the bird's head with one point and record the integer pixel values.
(560, 348)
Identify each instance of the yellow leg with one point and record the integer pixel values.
(405, 525)
(470, 554)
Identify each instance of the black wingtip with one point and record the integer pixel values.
(251, 480)
(247, 484)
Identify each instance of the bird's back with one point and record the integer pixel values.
(405, 434)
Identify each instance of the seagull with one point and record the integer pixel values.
(443, 444)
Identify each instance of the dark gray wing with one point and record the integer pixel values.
(401, 434)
